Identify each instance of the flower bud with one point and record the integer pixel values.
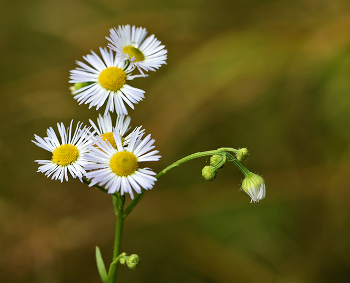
(254, 186)
(122, 258)
(242, 154)
(133, 261)
(216, 160)
(209, 173)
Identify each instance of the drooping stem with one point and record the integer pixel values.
(187, 158)
(118, 202)
(244, 170)
(223, 150)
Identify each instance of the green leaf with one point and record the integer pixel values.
(101, 266)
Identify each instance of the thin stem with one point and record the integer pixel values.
(244, 170)
(118, 202)
(223, 150)
(187, 158)
(134, 202)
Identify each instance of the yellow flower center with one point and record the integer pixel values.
(112, 78)
(109, 137)
(134, 52)
(65, 154)
(123, 163)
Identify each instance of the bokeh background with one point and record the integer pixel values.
(272, 76)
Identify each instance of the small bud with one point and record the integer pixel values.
(209, 173)
(254, 186)
(133, 261)
(122, 258)
(216, 159)
(77, 86)
(242, 154)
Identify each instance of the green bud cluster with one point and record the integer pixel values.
(131, 261)
(217, 161)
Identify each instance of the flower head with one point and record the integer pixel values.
(107, 80)
(146, 54)
(67, 155)
(105, 128)
(254, 186)
(117, 169)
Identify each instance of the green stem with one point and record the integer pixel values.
(183, 160)
(134, 202)
(244, 170)
(118, 202)
(187, 158)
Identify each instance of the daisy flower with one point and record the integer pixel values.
(146, 54)
(117, 169)
(107, 82)
(67, 155)
(105, 128)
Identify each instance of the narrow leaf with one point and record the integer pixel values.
(101, 266)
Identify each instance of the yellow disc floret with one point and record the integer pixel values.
(65, 154)
(123, 163)
(134, 52)
(109, 137)
(112, 78)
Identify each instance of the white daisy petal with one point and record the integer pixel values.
(135, 186)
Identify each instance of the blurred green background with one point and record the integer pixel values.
(272, 76)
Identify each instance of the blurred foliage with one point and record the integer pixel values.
(272, 76)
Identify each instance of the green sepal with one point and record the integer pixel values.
(101, 266)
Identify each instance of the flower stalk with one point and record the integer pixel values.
(118, 203)
(220, 151)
